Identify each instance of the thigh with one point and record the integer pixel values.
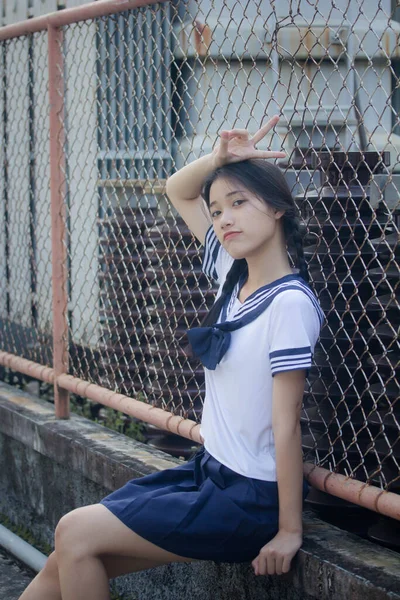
(117, 565)
(95, 530)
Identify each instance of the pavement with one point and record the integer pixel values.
(14, 577)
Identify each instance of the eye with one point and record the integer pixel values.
(240, 202)
(215, 214)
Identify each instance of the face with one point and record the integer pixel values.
(244, 224)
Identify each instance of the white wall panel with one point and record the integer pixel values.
(3, 282)
(15, 11)
(18, 181)
(43, 7)
(42, 184)
(81, 130)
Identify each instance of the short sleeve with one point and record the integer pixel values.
(216, 260)
(294, 330)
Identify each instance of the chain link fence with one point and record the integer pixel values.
(146, 91)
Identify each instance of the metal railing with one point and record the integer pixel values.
(126, 93)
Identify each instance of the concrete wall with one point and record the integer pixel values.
(49, 467)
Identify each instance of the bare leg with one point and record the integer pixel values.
(85, 579)
(46, 584)
(93, 546)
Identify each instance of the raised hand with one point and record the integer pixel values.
(237, 145)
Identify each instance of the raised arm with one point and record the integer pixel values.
(184, 191)
(184, 186)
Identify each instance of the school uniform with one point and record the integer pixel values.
(222, 505)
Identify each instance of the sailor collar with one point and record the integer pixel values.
(210, 344)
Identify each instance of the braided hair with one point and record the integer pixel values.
(294, 238)
(238, 268)
(266, 181)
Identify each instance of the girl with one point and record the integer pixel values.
(240, 497)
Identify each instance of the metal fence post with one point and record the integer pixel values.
(58, 217)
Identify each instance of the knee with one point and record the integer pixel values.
(50, 568)
(68, 538)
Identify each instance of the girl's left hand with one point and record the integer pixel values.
(275, 557)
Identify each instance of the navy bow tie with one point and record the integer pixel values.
(210, 344)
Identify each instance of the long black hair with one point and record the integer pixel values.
(266, 181)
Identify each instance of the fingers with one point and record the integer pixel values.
(279, 565)
(227, 135)
(255, 566)
(286, 564)
(269, 154)
(265, 154)
(262, 132)
(223, 145)
(241, 133)
(222, 149)
(267, 565)
(242, 151)
(271, 564)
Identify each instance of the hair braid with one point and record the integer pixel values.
(233, 276)
(295, 238)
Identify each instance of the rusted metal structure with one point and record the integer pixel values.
(126, 92)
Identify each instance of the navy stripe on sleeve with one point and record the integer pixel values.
(211, 250)
(290, 359)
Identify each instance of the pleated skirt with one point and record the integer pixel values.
(201, 510)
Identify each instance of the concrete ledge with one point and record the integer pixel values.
(13, 578)
(49, 467)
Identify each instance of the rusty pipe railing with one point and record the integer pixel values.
(381, 501)
(67, 16)
(58, 217)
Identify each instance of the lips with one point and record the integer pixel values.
(230, 234)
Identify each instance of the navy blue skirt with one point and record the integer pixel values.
(201, 510)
